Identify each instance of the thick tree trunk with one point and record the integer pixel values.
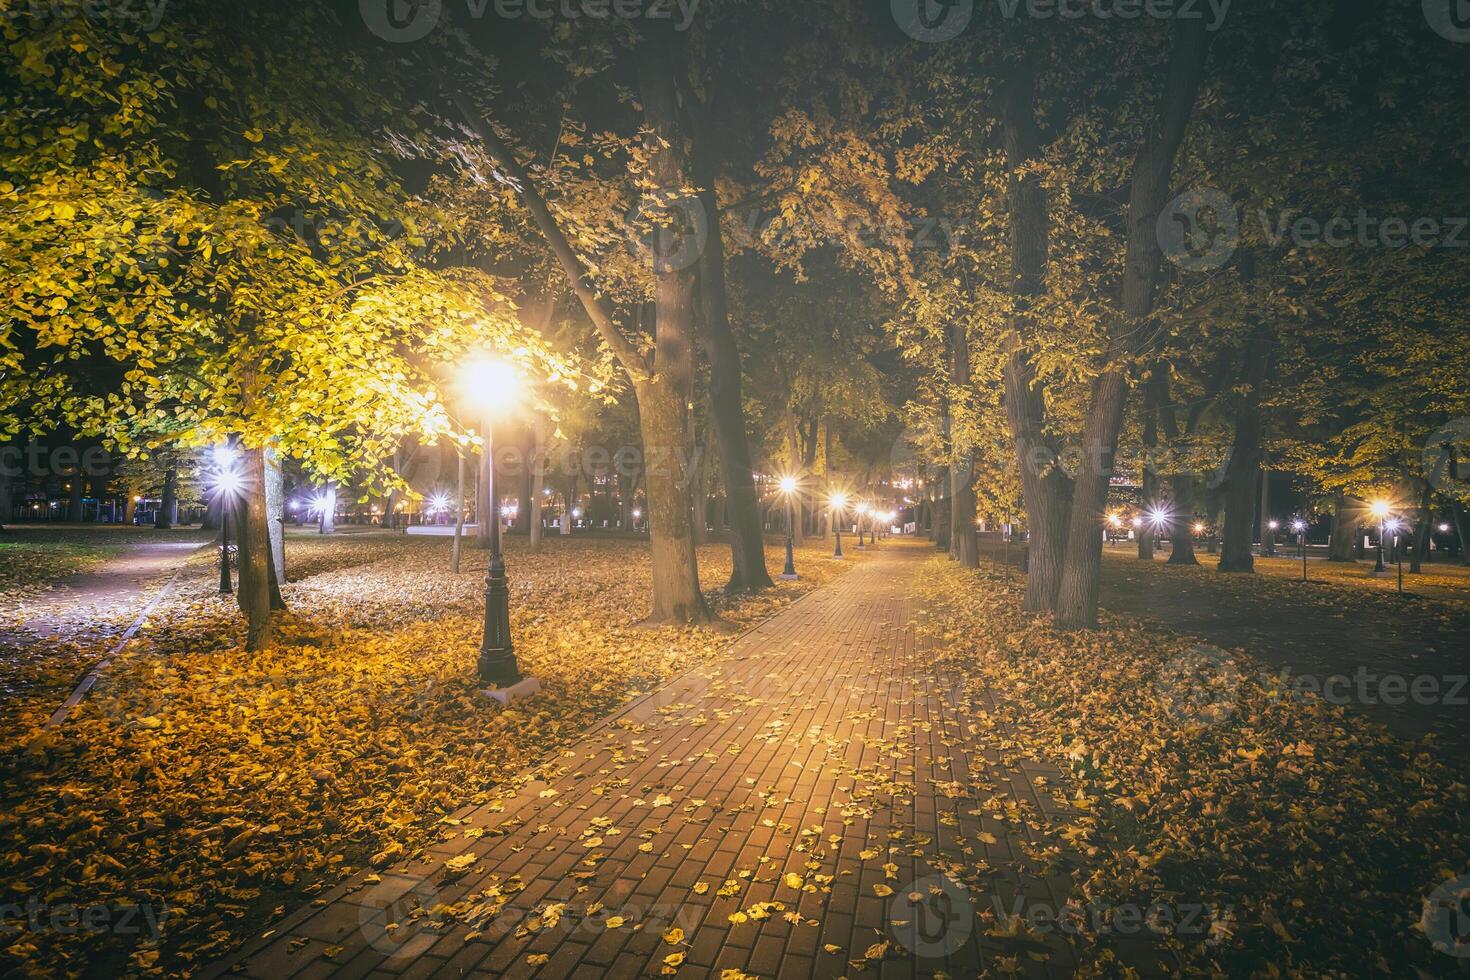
(74, 499)
(1181, 538)
(748, 571)
(663, 420)
(1245, 458)
(1077, 597)
(168, 506)
(1424, 519)
(1344, 526)
(275, 503)
(525, 490)
(793, 444)
(1045, 489)
(1268, 538)
(964, 543)
(454, 553)
(1462, 527)
(328, 522)
(664, 396)
(1151, 402)
(253, 529)
(537, 465)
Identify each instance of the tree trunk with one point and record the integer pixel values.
(1045, 488)
(664, 395)
(458, 546)
(748, 571)
(74, 499)
(1077, 596)
(1268, 539)
(964, 543)
(1344, 527)
(1151, 403)
(793, 443)
(1181, 549)
(538, 480)
(328, 522)
(253, 530)
(1460, 530)
(1425, 520)
(1245, 458)
(6, 501)
(275, 504)
(526, 489)
(168, 506)
(570, 504)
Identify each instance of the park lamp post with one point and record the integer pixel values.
(788, 491)
(862, 510)
(227, 486)
(1380, 510)
(1300, 527)
(1395, 525)
(837, 504)
(491, 388)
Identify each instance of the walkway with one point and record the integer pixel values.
(783, 812)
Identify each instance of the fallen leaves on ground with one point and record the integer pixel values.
(1310, 833)
(213, 786)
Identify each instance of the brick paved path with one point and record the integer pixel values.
(790, 771)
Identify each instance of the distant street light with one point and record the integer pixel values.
(788, 491)
(492, 387)
(838, 505)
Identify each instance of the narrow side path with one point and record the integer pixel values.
(119, 586)
(785, 811)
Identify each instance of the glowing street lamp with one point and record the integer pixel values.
(492, 387)
(837, 503)
(788, 490)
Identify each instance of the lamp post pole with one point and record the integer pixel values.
(226, 587)
(497, 654)
(836, 519)
(788, 573)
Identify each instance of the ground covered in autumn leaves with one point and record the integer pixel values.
(1203, 780)
(198, 788)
